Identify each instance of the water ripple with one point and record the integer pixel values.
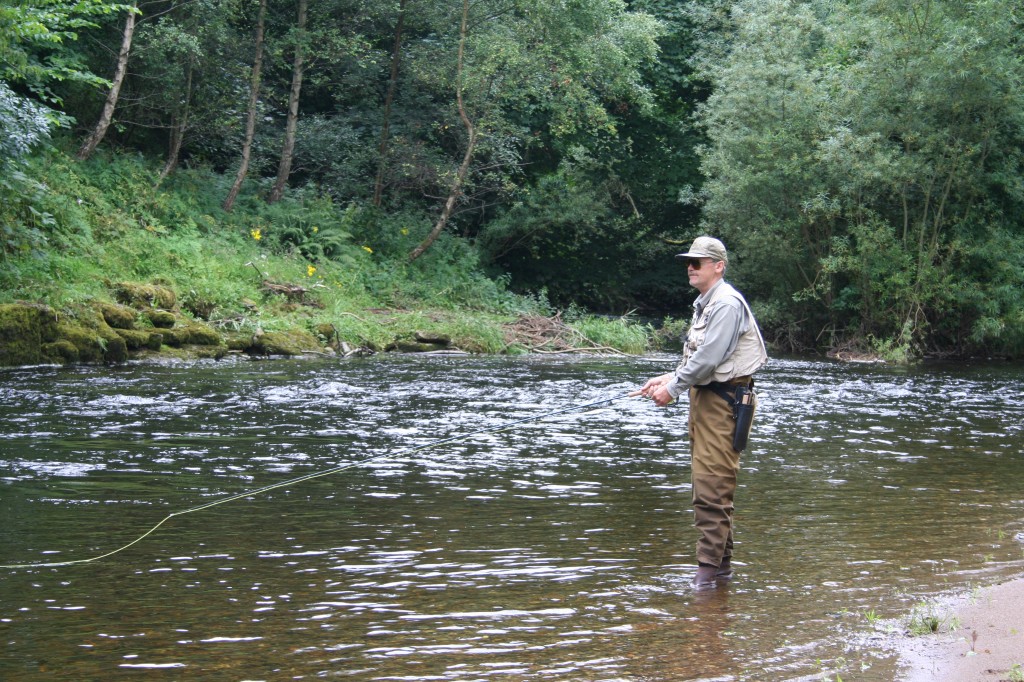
(561, 548)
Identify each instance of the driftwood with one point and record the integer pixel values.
(293, 292)
(551, 335)
(853, 352)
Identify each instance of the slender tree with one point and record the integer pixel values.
(107, 116)
(543, 79)
(179, 124)
(250, 121)
(288, 147)
(460, 175)
(389, 98)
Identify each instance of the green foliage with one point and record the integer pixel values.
(564, 236)
(862, 161)
(22, 226)
(988, 294)
(924, 620)
(670, 334)
(856, 152)
(34, 39)
(337, 154)
(310, 226)
(447, 276)
(536, 72)
(24, 125)
(109, 225)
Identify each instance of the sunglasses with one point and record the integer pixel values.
(695, 263)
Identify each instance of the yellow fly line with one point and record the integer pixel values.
(308, 477)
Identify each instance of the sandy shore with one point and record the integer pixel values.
(984, 644)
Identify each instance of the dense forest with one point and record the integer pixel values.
(863, 160)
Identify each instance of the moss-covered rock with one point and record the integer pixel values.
(93, 342)
(175, 337)
(210, 352)
(62, 352)
(238, 341)
(406, 346)
(327, 331)
(31, 334)
(142, 296)
(117, 316)
(24, 329)
(137, 338)
(203, 335)
(192, 333)
(162, 319)
(199, 307)
(433, 338)
(292, 342)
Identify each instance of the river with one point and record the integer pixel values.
(541, 548)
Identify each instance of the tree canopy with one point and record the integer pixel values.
(862, 160)
(865, 159)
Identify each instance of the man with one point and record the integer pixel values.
(723, 350)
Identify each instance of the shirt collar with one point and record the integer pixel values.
(703, 299)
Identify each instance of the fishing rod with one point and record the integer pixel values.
(320, 474)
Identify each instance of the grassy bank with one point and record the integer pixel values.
(337, 274)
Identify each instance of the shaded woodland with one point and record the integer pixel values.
(862, 160)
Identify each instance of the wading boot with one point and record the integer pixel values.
(724, 570)
(705, 578)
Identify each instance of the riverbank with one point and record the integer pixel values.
(133, 328)
(984, 641)
(129, 268)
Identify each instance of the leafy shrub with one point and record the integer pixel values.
(23, 126)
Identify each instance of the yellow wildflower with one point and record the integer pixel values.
(310, 270)
(367, 249)
(256, 234)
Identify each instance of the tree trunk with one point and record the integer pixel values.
(179, 124)
(107, 116)
(284, 168)
(250, 124)
(460, 175)
(396, 56)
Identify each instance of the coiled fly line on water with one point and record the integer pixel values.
(318, 474)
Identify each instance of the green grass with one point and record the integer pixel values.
(620, 333)
(925, 621)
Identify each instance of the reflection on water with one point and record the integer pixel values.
(560, 548)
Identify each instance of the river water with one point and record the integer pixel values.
(543, 548)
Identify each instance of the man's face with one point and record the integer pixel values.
(704, 272)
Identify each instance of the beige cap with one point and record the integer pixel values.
(706, 247)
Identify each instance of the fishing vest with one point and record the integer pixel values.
(750, 352)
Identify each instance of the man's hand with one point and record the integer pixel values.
(656, 391)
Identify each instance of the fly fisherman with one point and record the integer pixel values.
(723, 350)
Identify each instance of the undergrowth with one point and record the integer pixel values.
(107, 221)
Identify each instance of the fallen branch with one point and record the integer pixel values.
(551, 335)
